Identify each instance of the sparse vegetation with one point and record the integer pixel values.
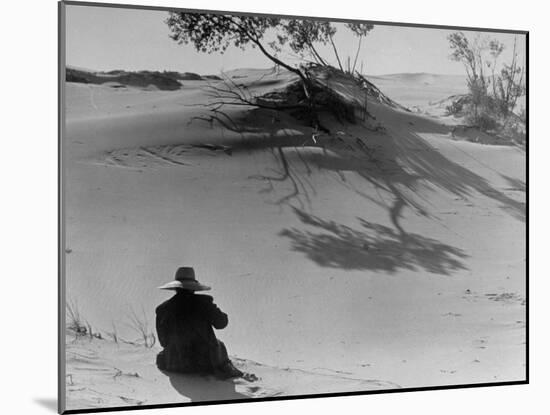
(113, 334)
(91, 333)
(137, 322)
(77, 325)
(140, 324)
(493, 94)
(457, 105)
(74, 320)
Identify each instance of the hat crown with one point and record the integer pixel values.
(185, 274)
(185, 279)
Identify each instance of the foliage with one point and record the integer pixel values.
(360, 30)
(216, 32)
(302, 35)
(493, 95)
(209, 32)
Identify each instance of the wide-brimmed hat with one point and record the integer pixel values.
(185, 280)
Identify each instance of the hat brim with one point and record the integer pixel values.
(184, 285)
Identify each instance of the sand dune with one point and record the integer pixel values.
(418, 90)
(104, 374)
(361, 255)
(148, 80)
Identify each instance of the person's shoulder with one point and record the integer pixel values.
(165, 305)
(204, 298)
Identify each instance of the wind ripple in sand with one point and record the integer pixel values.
(146, 157)
(151, 157)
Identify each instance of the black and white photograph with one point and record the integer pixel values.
(262, 207)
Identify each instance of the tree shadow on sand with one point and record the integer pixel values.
(200, 388)
(515, 184)
(404, 164)
(416, 155)
(373, 247)
(399, 160)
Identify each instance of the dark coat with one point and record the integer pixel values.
(185, 329)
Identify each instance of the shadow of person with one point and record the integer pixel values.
(201, 388)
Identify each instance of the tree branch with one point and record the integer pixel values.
(336, 53)
(357, 54)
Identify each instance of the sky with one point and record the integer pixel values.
(105, 38)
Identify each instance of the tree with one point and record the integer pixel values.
(216, 32)
(360, 30)
(492, 95)
(510, 85)
(209, 32)
(301, 36)
(470, 54)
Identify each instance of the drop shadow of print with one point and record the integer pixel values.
(48, 403)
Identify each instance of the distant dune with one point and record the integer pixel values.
(420, 77)
(165, 80)
(417, 90)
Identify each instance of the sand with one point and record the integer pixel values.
(374, 260)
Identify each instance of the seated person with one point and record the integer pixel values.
(185, 325)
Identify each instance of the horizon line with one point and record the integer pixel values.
(80, 68)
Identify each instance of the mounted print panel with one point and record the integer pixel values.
(259, 207)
